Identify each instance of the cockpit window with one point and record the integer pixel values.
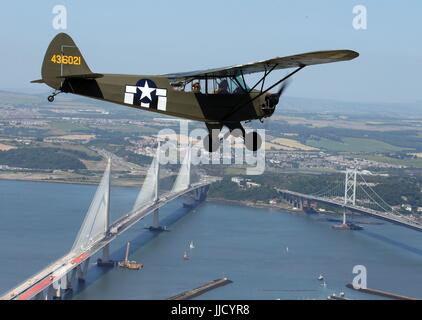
(242, 83)
(226, 85)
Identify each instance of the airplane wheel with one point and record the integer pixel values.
(210, 144)
(237, 133)
(253, 141)
(50, 98)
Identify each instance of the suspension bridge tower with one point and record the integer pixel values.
(349, 190)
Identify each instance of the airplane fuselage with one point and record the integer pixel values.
(156, 94)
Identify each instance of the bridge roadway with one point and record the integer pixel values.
(55, 271)
(391, 217)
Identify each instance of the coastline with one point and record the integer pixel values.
(66, 179)
(120, 182)
(278, 206)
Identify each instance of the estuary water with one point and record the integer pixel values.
(267, 253)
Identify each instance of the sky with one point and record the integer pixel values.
(157, 37)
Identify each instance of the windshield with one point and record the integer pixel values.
(242, 83)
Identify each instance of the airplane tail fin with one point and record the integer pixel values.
(63, 60)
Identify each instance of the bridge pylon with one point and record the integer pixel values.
(156, 214)
(105, 260)
(82, 270)
(349, 190)
(148, 195)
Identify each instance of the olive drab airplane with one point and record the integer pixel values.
(219, 97)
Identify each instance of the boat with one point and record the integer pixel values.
(321, 277)
(348, 226)
(185, 256)
(191, 246)
(287, 249)
(132, 265)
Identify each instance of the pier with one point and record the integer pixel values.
(201, 290)
(381, 293)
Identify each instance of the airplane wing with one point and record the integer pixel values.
(87, 76)
(300, 60)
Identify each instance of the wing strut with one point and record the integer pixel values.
(236, 109)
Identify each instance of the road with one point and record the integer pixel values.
(387, 216)
(43, 279)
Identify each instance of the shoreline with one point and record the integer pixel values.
(251, 204)
(279, 206)
(68, 180)
(129, 184)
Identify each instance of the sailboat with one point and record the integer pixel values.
(191, 246)
(185, 256)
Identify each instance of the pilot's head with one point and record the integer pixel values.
(196, 87)
(224, 84)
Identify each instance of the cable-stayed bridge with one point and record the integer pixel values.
(354, 194)
(96, 232)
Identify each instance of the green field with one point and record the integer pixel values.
(130, 128)
(413, 163)
(70, 147)
(354, 145)
(67, 126)
(234, 171)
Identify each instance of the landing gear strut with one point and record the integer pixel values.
(51, 97)
(211, 141)
(252, 139)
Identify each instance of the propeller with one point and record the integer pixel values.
(272, 100)
(283, 87)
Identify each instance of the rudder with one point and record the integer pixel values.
(62, 59)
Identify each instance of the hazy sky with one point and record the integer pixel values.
(154, 37)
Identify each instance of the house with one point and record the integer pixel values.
(407, 207)
(238, 181)
(251, 184)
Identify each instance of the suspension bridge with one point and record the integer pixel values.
(96, 232)
(355, 194)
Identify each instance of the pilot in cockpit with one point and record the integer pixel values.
(196, 87)
(223, 87)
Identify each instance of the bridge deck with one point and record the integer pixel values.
(391, 217)
(43, 279)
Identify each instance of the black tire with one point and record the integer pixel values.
(210, 144)
(50, 98)
(237, 133)
(253, 141)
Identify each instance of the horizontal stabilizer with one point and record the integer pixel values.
(82, 76)
(37, 81)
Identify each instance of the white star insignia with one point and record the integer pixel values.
(146, 91)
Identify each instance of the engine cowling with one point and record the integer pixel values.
(271, 101)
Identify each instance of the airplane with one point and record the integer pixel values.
(218, 97)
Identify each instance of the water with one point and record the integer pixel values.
(39, 222)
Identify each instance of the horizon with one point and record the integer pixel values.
(45, 90)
